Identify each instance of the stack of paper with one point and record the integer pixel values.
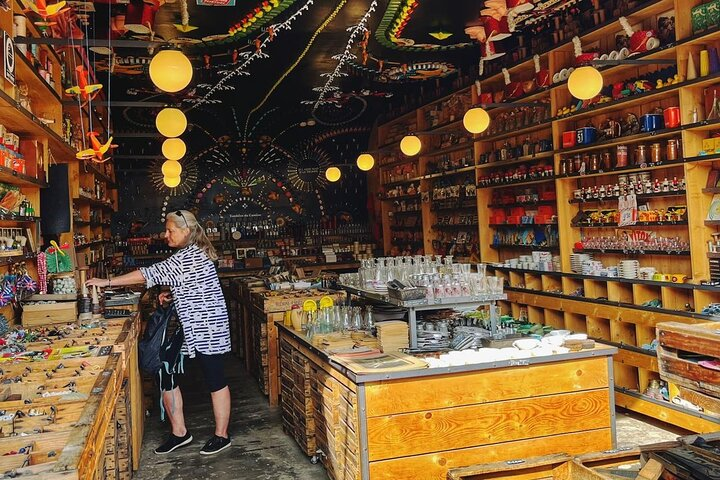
(392, 335)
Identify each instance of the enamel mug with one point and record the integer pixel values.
(671, 115)
(585, 135)
(651, 122)
(568, 139)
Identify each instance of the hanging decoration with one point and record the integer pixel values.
(84, 90)
(297, 61)
(98, 150)
(184, 25)
(250, 19)
(250, 57)
(359, 29)
(46, 11)
(170, 70)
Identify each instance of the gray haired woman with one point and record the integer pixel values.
(192, 277)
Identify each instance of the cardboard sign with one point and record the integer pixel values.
(9, 58)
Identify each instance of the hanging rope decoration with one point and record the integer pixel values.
(240, 69)
(359, 29)
(322, 26)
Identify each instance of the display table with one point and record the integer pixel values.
(78, 407)
(420, 423)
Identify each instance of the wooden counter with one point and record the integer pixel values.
(419, 424)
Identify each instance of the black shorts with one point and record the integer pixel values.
(212, 366)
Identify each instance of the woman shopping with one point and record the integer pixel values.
(192, 277)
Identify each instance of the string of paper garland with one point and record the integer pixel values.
(359, 29)
(250, 57)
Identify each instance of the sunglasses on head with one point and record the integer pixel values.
(180, 214)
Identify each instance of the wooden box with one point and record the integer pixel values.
(680, 349)
(549, 467)
(49, 313)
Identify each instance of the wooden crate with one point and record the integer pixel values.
(549, 467)
(680, 347)
(49, 313)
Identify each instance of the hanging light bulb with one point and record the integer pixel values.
(173, 149)
(365, 162)
(171, 122)
(333, 174)
(171, 168)
(585, 83)
(171, 182)
(410, 145)
(476, 120)
(170, 70)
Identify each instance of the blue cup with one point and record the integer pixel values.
(651, 122)
(585, 135)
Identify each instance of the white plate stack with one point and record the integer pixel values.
(629, 268)
(392, 335)
(592, 267)
(577, 260)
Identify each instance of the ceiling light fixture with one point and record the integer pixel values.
(171, 122)
(171, 182)
(410, 145)
(585, 83)
(171, 168)
(170, 70)
(174, 149)
(333, 174)
(476, 120)
(365, 162)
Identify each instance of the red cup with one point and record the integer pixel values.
(671, 116)
(568, 139)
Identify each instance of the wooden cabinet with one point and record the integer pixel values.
(538, 190)
(420, 424)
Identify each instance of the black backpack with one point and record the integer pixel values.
(155, 335)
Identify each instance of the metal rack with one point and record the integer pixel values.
(415, 306)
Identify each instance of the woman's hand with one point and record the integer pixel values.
(98, 282)
(165, 298)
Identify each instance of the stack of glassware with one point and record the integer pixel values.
(339, 318)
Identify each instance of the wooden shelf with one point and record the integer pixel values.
(27, 125)
(448, 226)
(8, 175)
(11, 217)
(639, 137)
(17, 258)
(518, 225)
(109, 182)
(547, 124)
(638, 224)
(522, 204)
(402, 182)
(703, 126)
(523, 247)
(526, 159)
(632, 252)
(467, 145)
(712, 223)
(94, 203)
(405, 228)
(401, 197)
(96, 243)
(407, 213)
(628, 169)
(449, 173)
(642, 196)
(516, 184)
(27, 73)
(453, 209)
(437, 129)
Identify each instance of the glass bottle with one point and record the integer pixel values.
(715, 110)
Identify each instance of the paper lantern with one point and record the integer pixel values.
(171, 182)
(476, 120)
(171, 122)
(171, 168)
(173, 149)
(410, 145)
(170, 70)
(333, 174)
(585, 83)
(365, 162)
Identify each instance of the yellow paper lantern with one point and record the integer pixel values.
(333, 174)
(171, 168)
(171, 182)
(170, 70)
(476, 120)
(585, 83)
(173, 149)
(171, 122)
(365, 162)
(410, 145)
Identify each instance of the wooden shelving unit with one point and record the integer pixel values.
(614, 310)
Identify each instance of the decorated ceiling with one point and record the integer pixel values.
(282, 89)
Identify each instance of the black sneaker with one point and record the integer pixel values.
(173, 443)
(215, 445)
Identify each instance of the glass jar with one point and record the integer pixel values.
(621, 158)
(641, 155)
(655, 156)
(672, 150)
